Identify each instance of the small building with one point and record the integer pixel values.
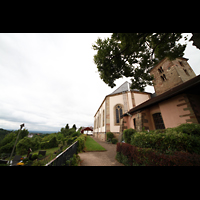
(176, 101)
(87, 130)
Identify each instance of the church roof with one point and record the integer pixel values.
(123, 88)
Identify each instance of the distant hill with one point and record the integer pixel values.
(3, 133)
(34, 132)
(43, 132)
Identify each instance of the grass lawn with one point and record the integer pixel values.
(91, 145)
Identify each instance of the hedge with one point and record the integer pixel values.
(131, 155)
(110, 136)
(168, 140)
(127, 134)
(81, 142)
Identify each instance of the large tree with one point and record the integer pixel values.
(134, 54)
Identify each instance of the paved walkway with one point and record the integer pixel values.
(105, 158)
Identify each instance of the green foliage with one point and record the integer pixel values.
(67, 126)
(133, 55)
(114, 140)
(127, 135)
(190, 129)
(53, 142)
(74, 161)
(34, 156)
(76, 134)
(23, 145)
(81, 142)
(109, 135)
(170, 140)
(3, 133)
(49, 144)
(11, 137)
(23, 133)
(74, 127)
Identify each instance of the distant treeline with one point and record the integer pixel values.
(3, 133)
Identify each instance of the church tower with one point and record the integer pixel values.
(168, 74)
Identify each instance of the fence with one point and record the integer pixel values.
(61, 159)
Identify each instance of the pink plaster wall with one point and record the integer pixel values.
(171, 112)
(140, 98)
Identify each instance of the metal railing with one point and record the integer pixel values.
(61, 159)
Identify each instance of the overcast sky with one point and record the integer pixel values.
(49, 79)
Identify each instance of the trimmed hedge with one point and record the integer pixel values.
(81, 142)
(168, 140)
(131, 155)
(127, 135)
(109, 135)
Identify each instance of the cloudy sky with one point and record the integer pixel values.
(49, 79)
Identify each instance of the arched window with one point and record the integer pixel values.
(118, 112)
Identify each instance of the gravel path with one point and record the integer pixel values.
(105, 158)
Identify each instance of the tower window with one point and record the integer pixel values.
(185, 70)
(163, 77)
(160, 69)
(181, 63)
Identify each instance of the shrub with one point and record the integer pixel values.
(23, 145)
(146, 156)
(71, 140)
(127, 135)
(53, 142)
(81, 143)
(74, 161)
(34, 156)
(44, 145)
(109, 135)
(190, 129)
(166, 141)
(114, 140)
(76, 134)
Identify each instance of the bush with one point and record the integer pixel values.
(170, 140)
(71, 140)
(131, 155)
(127, 135)
(76, 134)
(23, 145)
(53, 142)
(34, 156)
(109, 135)
(49, 144)
(81, 143)
(74, 161)
(190, 129)
(114, 140)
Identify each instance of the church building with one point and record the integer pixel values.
(176, 100)
(114, 105)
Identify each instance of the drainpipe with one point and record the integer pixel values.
(129, 114)
(105, 119)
